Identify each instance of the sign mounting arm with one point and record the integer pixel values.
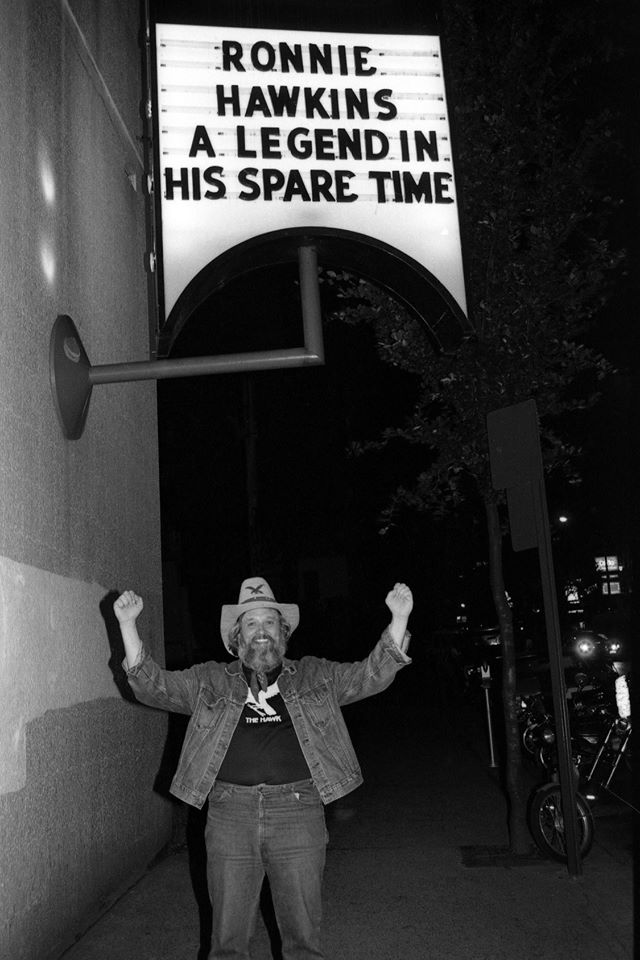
(73, 377)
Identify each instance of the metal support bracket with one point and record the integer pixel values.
(73, 377)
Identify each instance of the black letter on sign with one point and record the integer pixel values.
(170, 182)
(244, 179)
(380, 177)
(381, 98)
(232, 55)
(243, 149)
(272, 181)
(426, 144)
(270, 139)
(201, 141)
(417, 191)
(258, 48)
(342, 187)
(441, 183)
(299, 144)
(360, 58)
(211, 175)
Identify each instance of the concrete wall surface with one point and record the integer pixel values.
(79, 818)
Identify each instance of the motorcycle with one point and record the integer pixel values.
(593, 780)
(591, 709)
(590, 673)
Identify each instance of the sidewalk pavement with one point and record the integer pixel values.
(417, 869)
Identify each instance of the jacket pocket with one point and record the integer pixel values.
(209, 710)
(318, 706)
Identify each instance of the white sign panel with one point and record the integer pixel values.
(264, 130)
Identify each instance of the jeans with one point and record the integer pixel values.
(274, 830)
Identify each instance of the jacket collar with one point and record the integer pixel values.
(234, 668)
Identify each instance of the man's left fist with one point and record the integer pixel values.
(400, 600)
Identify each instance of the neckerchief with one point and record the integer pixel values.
(260, 680)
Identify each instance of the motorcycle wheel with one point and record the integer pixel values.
(546, 823)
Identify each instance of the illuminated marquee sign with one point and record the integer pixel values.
(265, 130)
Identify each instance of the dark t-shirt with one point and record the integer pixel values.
(264, 747)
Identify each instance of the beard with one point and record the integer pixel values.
(262, 657)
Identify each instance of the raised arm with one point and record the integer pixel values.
(127, 609)
(175, 690)
(400, 603)
(364, 678)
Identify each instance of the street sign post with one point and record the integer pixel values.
(516, 466)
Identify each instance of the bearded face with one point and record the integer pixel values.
(262, 642)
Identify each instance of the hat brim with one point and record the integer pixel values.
(231, 612)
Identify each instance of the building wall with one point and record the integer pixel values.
(79, 818)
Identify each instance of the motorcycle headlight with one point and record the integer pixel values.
(585, 647)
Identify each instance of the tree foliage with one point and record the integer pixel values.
(532, 174)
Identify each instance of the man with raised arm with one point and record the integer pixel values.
(268, 747)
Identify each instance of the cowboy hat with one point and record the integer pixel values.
(255, 593)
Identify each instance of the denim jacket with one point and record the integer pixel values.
(313, 690)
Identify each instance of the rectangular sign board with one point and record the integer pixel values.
(267, 130)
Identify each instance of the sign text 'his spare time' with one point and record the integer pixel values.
(299, 126)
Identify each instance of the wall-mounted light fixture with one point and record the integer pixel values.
(73, 377)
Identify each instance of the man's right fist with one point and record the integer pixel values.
(128, 606)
